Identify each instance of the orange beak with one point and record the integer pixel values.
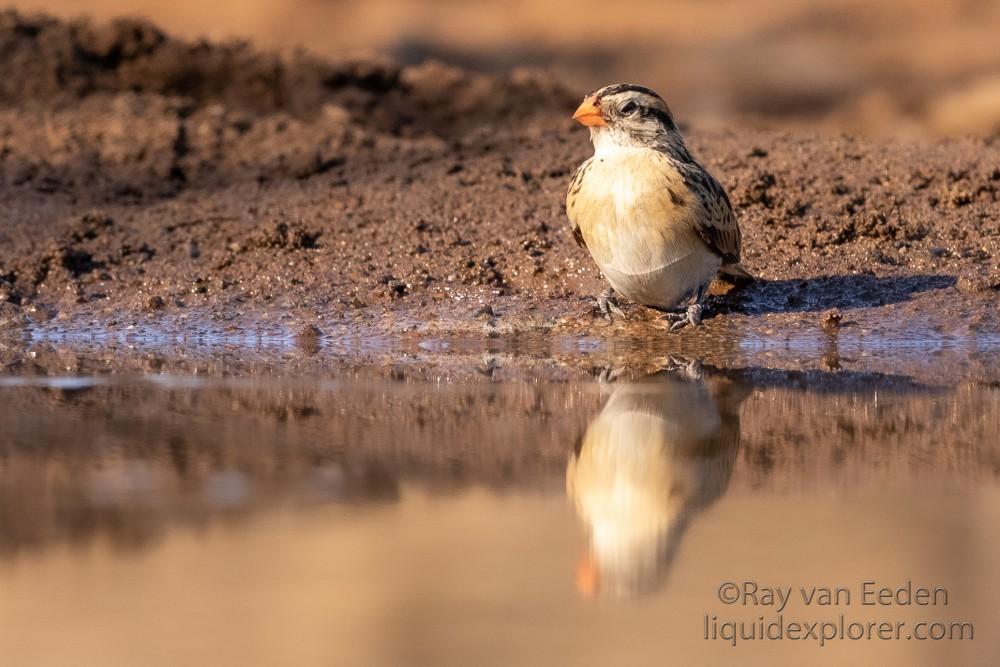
(589, 113)
(588, 580)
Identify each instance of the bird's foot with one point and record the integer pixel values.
(691, 316)
(607, 305)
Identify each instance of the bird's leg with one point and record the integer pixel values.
(607, 305)
(690, 316)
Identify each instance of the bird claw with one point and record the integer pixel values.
(607, 306)
(689, 317)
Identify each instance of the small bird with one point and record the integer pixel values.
(659, 226)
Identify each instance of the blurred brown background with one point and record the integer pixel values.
(886, 67)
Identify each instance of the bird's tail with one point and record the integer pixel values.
(735, 273)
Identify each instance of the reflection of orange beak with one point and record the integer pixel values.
(588, 579)
(589, 113)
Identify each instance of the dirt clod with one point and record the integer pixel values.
(831, 320)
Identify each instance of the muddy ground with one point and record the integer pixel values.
(151, 184)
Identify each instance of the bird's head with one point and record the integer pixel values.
(626, 114)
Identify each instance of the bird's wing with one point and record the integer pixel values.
(574, 188)
(717, 224)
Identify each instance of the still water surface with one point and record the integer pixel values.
(165, 520)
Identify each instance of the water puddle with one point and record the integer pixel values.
(171, 519)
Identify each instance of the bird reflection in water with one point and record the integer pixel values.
(659, 453)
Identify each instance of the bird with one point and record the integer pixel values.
(659, 226)
(660, 452)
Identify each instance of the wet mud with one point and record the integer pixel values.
(147, 182)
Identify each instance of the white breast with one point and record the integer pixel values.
(643, 240)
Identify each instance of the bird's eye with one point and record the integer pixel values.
(629, 108)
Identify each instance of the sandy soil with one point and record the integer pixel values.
(149, 182)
